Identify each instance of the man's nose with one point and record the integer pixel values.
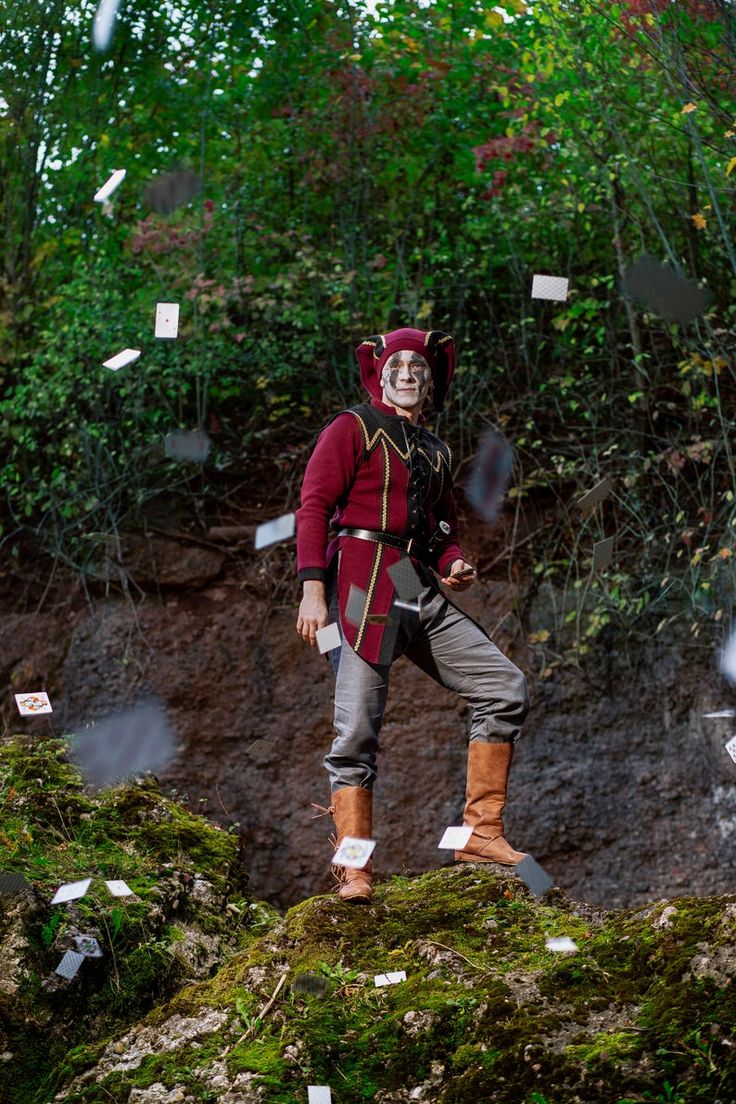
(405, 373)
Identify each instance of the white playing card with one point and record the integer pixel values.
(29, 705)
(392, 978)
(329, 638)
(69, 964)
(104, 22)
(413, 606)
(120, 360)
(281, 528)
(728, 660)
(456, 838)
(88, 946)
(561, 943)
(167, 320)
(731, 748)
(71, 891)
(549, 287)
(119, 888)
(110, 185)
(722, 713)
(319, 1094)
(353, 852)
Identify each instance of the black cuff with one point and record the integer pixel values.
(319, 573)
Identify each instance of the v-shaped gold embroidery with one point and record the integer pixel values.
(383, 436)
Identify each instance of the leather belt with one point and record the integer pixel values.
(412, 547)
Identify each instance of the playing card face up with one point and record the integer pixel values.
(355, 605)
(490, 476)
(187, 444)
(549, 287)
(171, 190)
(30, 705)
(405, 579)
(109, 186)
(280, 529)
(104, 23)
(13, 883)
(561, 943)
(535, 876)
(119, 888)
(120, 360)
(71, 891)
(603, 553)
(313, 984)
(722, 713)
(728, 660)
(663, 291)
(390, 979)
(319, 1094)
(731, 748)
(167, 320)
(329, 638)
(455, 839)
(354, 853)
(70, 964)
(140, 739)
(595, 494)
(88, 946)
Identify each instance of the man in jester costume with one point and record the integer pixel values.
(383, 483)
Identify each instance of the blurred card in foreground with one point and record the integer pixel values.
(490, 475)
(13, 883)
(170, 190)
(663, 291)
(104, 23)
(728, 660)
(561, 943)
(535, 876)
(354, 853)
(187, 444)
(71, 891)
(405, 579)
(280, 529)
(109, 186)
(124, 744)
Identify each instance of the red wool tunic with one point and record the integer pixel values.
(372, 469)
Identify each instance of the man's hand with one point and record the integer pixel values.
(312, 611)
(461, 576)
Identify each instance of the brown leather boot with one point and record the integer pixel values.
(488, 772)
(352, 812)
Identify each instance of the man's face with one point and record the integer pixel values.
(406, 380)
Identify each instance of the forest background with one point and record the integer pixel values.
(363, 167)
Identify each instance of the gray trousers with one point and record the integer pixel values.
(446, 644)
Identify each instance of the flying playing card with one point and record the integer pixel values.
(120, 360)
(329, 638)
(125, 744)
(722, 713)
(70, 964)
(728, 660)
(603, 553)
(549, 287)
(319, 1094)
(355, 605)
(119, 888)
(104, 23)
(664, 291)
(30, 705)
(13, 883)
(413, 606)
(731, 748)
(280, 529)
(257, 749)
(313, 984)
(167, 320)
(455, 839)
(109, 186)
(170, 190)
(595, 494)
(390, 979)
(490, 475)
(561, 943)
(354, 853)
(187, 444)
(71, 891)
(405, 579)
(535, 876)
(88, 946)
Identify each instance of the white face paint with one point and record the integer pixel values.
(406, 381)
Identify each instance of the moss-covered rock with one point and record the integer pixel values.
(643, 1011)
(189, 912)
